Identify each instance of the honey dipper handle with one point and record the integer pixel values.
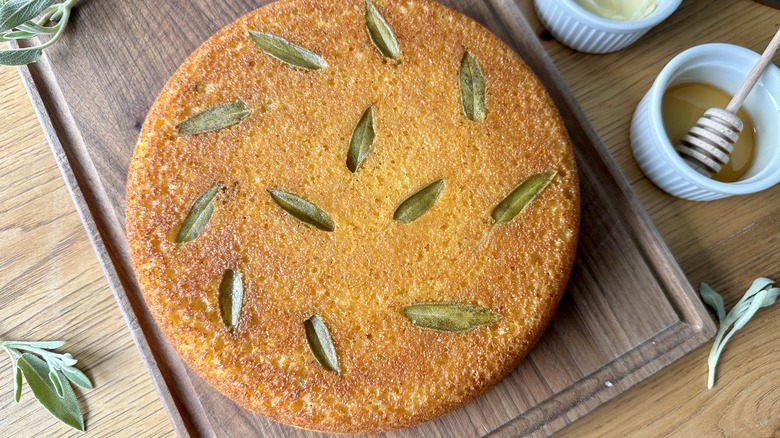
(752, 78)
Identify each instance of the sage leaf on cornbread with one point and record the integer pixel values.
(518, 199)
(361, 140)
(417, 204)
(303, 210)
(449, 317)
(287, 52)
(231, 298)
(199, 215)
(472, 88)
(321, 344)
(215, 118)
(380, 32)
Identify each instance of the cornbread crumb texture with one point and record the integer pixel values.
(359, 277)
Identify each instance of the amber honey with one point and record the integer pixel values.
(683, 104)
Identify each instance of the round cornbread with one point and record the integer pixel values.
(360, 277)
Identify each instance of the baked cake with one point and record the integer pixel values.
(352, 216)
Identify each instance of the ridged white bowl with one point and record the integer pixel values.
(584, 31)
(724, 66)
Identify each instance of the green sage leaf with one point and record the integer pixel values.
(287, 52)
(77, 376)
(199, 215)
(18, 35)
(449, 317)
(303, 210)
(762, 293)
(320, 343)
(231, 297)
(380, 32)
(16, 12)
(714, 300)
(54, 377)
(65, 408)
(420, 202)
(46, 345)
(472, 88)
(17, 382)
(215, 118)
(361, 140)
(20, 56)
(520, 197)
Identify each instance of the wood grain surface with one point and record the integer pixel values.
(710, 240)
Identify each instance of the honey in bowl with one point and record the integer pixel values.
(683, 105)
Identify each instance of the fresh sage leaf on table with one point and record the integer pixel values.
(49, 375)
(28, 19)
(762, 293)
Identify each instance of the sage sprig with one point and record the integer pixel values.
(417, 204)
(18, 22)
(199, 215)
(381, 34)
(287, 52)
(303, 210)
(320, 343)
(215, 118)
(762, 293)
(49, 375)
(517, 200)
(361, 140)
(449, 317)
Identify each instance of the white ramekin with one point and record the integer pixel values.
(724, 66)
(580, 29)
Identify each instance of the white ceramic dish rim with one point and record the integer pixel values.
(760, 180)
(663, 11)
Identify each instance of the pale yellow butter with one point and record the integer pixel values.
(620, 10)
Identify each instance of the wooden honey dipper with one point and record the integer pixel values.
(708, 144)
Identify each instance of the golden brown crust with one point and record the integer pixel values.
(359, 277)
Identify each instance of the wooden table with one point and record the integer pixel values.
(52, 287)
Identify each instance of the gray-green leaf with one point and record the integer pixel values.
(381, 34)
(472, 88)
(520, 197)
(361, 140)
(420, 202)
(287, 52)
(65, 408)
(215, 118)
(199, 215)
(303, 210)
(320, 343)
(231, 297)
(18, 35)
(77, 376)
(54, 378)
(17, 382)
(714, 300)
(449, 317)
(16, 12)
(20, 56)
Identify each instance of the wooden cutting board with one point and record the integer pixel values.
(627, 313)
